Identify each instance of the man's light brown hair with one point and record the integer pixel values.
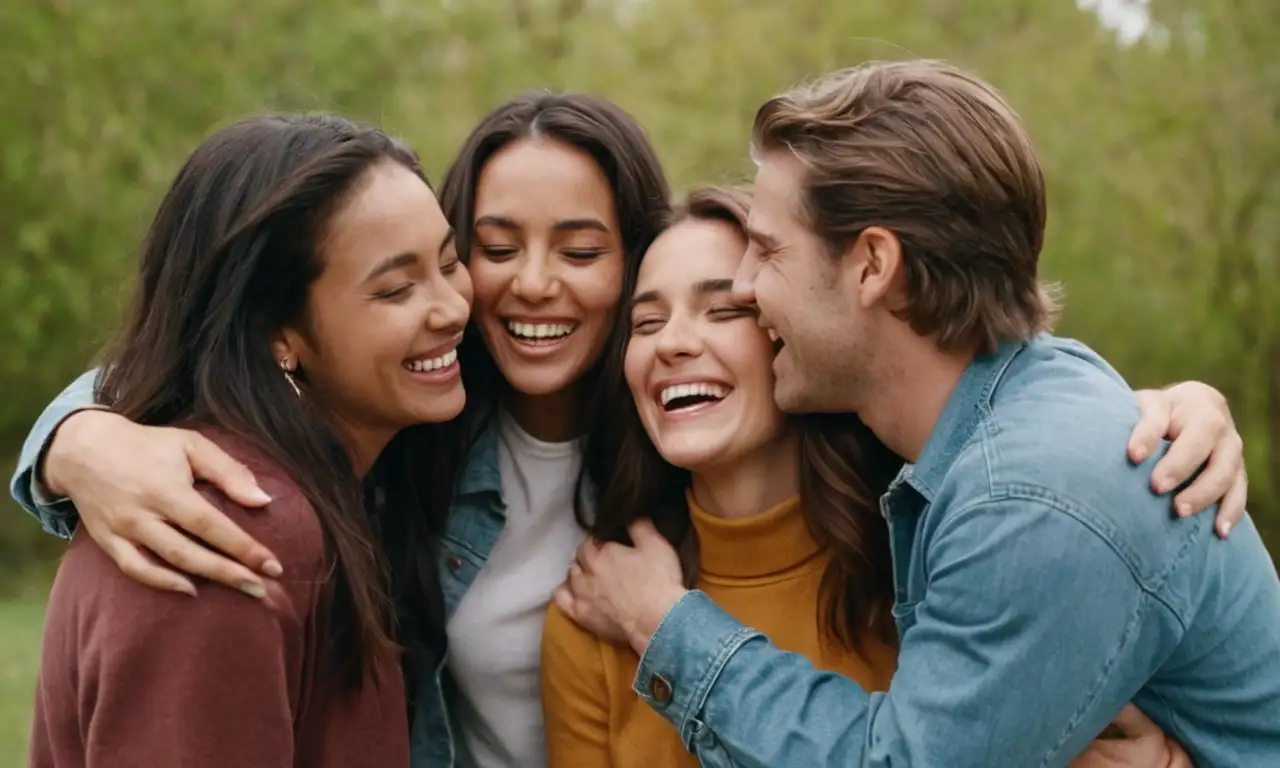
(937, 157)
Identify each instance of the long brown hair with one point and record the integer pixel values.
(641, 198)
(226, 263)
(844, 470)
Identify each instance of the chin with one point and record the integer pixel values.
(692, 456)
(446, 407)
(541, 380)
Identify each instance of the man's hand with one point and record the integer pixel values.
(1195, 417)
(621, 593)
(1141, 744)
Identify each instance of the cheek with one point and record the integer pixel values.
(461, 282)
(635, 365)
(597, 288)
(487, 282)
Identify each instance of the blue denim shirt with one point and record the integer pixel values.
(1040, 585)
(476, 517)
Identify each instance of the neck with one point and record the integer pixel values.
(552, 418)
(364, 446)
(908, 402)
(752, 484)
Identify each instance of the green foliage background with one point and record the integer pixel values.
(1163, 155)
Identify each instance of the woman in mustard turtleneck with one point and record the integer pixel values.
(775, 516)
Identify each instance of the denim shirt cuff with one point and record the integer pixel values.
(684, 659)
(57, 514)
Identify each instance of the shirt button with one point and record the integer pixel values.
(660, 689)
(455, 563)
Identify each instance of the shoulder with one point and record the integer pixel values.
(288, 525)
(562, 638)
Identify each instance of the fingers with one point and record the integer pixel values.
(1153, 424)
(588, 551)
(193, 513)
(138, 567)
(1188, 452)
(563, 599)
(209, 462)
(1218, 478)
(643, 532)
(1232, 507)
(1134, 723)
(1178, 757)
(188, 556)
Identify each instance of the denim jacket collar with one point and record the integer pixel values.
(968, 404)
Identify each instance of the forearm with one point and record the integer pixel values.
(56, 514)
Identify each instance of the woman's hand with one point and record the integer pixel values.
(1196, 418)
(1139, 744)
(133, 488)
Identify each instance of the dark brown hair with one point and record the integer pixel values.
(843, 471)
(641, 198)
(937, 157)
(227, 263)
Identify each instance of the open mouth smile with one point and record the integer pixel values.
(692, 397)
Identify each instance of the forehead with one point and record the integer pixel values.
(691, 252)
(778, 192)
(390, 211)
(537, 178)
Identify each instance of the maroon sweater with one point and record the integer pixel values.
(133, 677)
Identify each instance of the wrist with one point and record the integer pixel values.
(63, 446)
(650, 615)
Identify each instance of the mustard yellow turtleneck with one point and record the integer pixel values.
(765, 570)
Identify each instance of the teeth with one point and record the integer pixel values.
(540, 330)
(433, 363)
(706, 389)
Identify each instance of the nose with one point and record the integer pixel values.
(449, 310)
(677, 339)
(535, 281)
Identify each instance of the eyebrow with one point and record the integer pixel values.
(564, 225)
(762, 239)
(702, 288)
(406, 259)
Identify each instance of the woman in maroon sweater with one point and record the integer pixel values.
(299, 301)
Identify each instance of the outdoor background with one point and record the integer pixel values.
(1158, 125)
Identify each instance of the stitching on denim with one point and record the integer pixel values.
(702, 691)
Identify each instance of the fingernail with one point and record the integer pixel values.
(187, 589)
(1184, 509)
(1139, 454)
(1163, 485)
(253, 590)
(1224, 529)
(272, 568)
(260, 496)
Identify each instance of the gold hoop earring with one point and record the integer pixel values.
(288, 376)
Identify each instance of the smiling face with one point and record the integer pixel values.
(697, 364)
(824, 336)
(546, 263)
(384, 318)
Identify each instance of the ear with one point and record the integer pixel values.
(873, 266)
(287, 347)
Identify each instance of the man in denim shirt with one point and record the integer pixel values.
(1040, 583)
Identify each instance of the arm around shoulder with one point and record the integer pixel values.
(575, 697)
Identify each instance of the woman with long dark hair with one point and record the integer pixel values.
(299, 303)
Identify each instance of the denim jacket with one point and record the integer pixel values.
(476, 517)
(1039, 586)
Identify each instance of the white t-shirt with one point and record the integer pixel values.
(495, 635)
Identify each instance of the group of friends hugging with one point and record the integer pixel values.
(542, 465)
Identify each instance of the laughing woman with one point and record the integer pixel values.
(299, 303)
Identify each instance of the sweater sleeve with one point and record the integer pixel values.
(216, 680)
(575, 697)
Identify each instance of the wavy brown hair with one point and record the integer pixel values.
(843, 471)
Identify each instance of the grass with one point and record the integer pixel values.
(20, 625)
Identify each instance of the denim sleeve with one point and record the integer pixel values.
(57, 515)
(1033, 634)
